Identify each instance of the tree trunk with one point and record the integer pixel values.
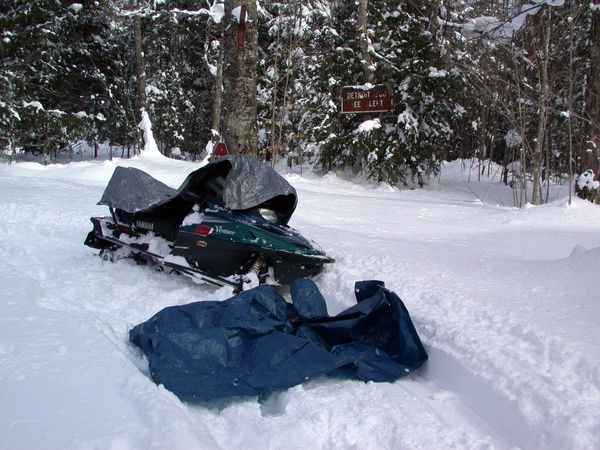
(363, 28)
(570, 103)
(291, 65)
(239, 77)
(218, 87)
(592, 159)
(218, 94)
(140, 69)
(536, 197)
(275, 86)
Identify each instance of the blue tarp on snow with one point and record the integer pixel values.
(255, 342)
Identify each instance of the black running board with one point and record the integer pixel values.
(185, 270)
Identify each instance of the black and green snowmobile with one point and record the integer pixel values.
(226, 224)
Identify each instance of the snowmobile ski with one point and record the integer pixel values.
(138, 251)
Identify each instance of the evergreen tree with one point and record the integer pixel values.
(410, 52)
(179, 78)
(53, 86)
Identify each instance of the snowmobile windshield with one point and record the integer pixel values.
(236, 182)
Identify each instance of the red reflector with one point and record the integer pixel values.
(202, 230)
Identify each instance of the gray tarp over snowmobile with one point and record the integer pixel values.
(237, 182)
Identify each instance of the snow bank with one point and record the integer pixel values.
(150, 148)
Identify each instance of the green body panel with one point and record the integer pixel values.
(236, 227)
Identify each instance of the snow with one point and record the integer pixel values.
(212, 69)
(513, 138)
(482, 24)
(150, 148)
(586, 180)
(237, 14)
(367, 126)
(194, 217)
(364, 86)
(152, 90)
(505, 300)
(436, 73)
(549, 2)
(495, 27)
(408, 118)
(34, 104)
(217, 11)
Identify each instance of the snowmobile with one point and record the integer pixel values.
(227, 221)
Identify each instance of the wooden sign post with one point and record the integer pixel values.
(241, 29)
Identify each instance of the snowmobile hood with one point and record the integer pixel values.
(236, 182)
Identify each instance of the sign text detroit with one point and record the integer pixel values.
(360, 100)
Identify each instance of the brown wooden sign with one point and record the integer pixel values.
(359, 99)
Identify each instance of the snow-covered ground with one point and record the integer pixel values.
(505, 300)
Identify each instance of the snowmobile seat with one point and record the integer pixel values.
(162, 223)
(210, 190)
(214, 189)
(191, 197)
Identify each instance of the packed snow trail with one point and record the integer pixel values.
(503, 298)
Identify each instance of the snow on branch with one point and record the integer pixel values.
(216, 11)
(503, 29)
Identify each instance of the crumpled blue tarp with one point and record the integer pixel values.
(255, 342)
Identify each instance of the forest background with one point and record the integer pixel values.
(513, 82)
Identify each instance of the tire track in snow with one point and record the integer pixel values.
(58, 380)
(106, 299)
(524, 388)
(436, 387)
